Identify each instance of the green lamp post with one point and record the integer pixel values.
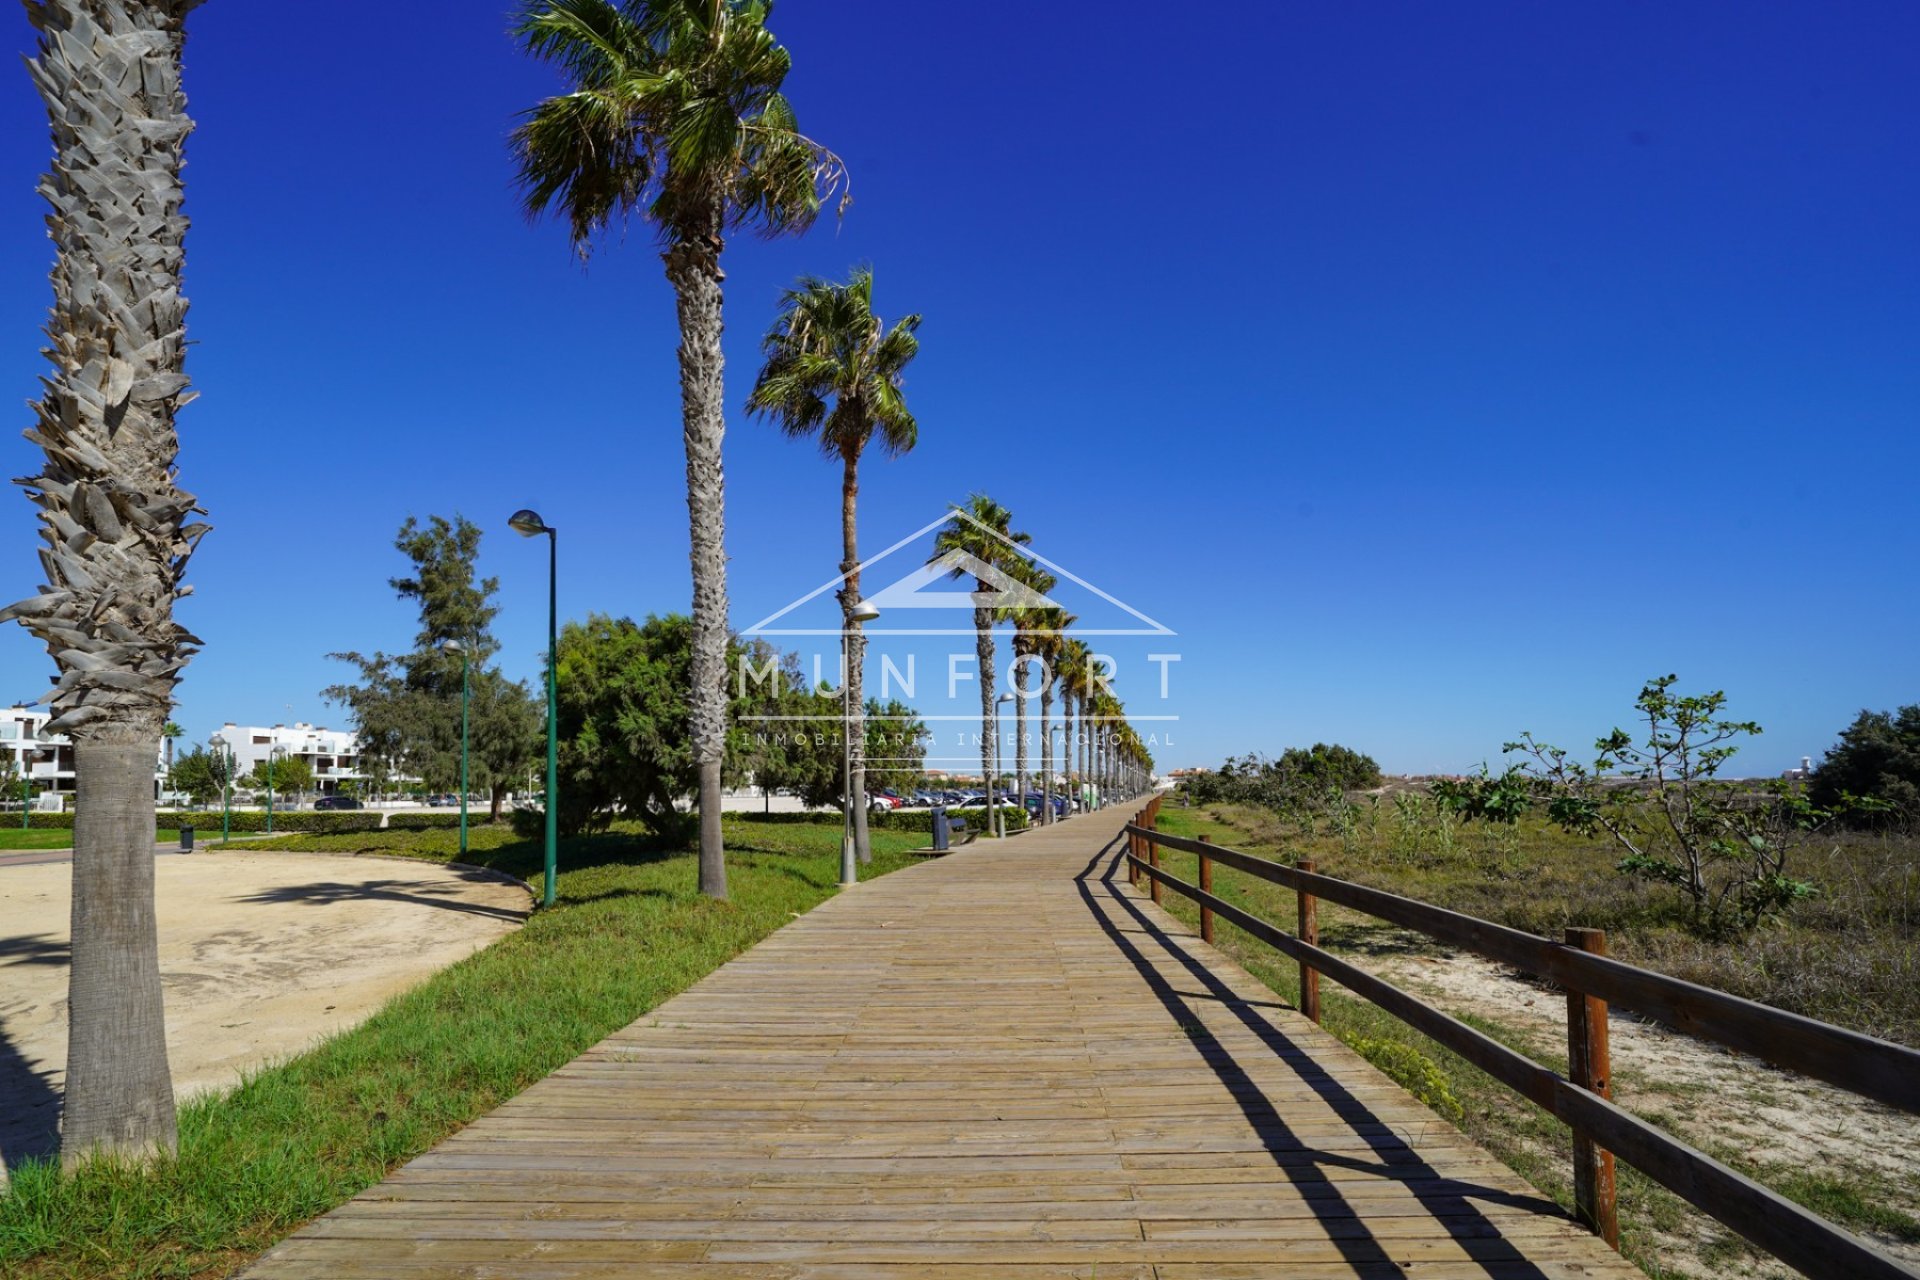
(454, 646)
(528, 524)
(226, 786)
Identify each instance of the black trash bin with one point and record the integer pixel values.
(942, 833)
(186, 839)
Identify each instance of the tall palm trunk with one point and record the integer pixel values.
(115, 525)
(693, 268)
(1066, 735)
(856, 726)
(1046, 749)
(1020, 665)
(983, 648)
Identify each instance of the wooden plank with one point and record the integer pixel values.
(980, 1067)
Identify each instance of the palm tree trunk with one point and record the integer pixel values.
(1020, 722)
(693, 268)
(1046, 749)
(856, 726)
(983, 648)
(119, 1093)
(114, 524)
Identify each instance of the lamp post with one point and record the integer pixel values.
(994, 815)
(528, 524)
(849, 872)
(454, 646)
(226, 786)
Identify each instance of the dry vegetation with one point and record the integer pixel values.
(1851, 955)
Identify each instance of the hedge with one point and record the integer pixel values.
(250, 821)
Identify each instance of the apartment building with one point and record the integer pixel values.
(332, 754)
(46, 759)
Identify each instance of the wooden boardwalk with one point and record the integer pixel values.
(1001, 1063)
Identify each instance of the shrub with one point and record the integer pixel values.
(304, 821)
(434, 821)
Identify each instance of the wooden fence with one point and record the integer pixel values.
(1876, 1069)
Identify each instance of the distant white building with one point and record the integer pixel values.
(332, 754)
(46, 759)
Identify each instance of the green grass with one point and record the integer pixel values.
(13, 838)
(628, 931)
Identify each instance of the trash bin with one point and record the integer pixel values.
(186, 839)
(942, 833)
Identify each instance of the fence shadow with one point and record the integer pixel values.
(1450, 1201)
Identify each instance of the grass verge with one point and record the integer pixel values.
(629, 930)
(15, 838)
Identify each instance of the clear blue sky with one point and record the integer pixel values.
(1435, 372)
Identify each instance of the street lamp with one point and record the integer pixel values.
(528, 524)
(226, 786)
(454, 646)
(861, 611)
(994, 815)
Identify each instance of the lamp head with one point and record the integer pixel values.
(452, 646)
(527, 523)
(864, 611)
(216, 741)
(1005, 697)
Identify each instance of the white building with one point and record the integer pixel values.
(46, 759)
(332, 754)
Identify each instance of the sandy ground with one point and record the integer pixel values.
(261, 954)
(1707, 1095)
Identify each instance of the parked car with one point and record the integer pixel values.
(337, 802)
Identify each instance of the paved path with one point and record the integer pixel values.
(1002, 1063)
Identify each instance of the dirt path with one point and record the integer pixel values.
(261, 955)
(1717, 1100)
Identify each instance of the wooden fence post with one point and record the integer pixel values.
(1153, 856)
(1588, 1066)
(1133, 851)
(1206, 886)
(1309, 934)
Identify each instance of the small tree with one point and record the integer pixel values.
(406, 707)
(290, 776)
(199, 773)
(1658, 795)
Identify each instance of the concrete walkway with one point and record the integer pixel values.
(1001, 1063)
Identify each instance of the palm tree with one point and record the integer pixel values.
(169, 731)
(834, 371)
(982, 530)
(1049, 640)
(675, 113)
(116, 526)
(1027, 617)
(1076, 687)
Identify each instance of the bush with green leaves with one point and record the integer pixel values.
(1877, 760)
(1657, 793)
(1300, 781)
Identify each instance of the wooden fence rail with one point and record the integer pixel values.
(1877, 1069)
